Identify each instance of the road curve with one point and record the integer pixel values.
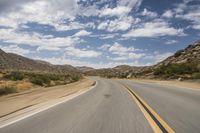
(109, 108)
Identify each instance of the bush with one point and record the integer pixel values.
(198, 67)
(41, 80)
(4, 90)
(196, 75)
(176, 69)
(15, 76)
(75, 78)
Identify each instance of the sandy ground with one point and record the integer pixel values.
(183, 84)
(13, 103)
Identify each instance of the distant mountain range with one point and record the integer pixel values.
(191, 54)
(184, 59)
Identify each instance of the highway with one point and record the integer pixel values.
(119, 106)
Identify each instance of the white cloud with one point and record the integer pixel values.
(35, 39)
(189, 12)
(44, 12)
(108, 36)
(81, 53)
(82, 33)
(105, 47)
(148, 13)
(117, 11)
(171, 42)
(192, 16)
(130, 3)
(119, 24)
(74, 62)
(156, 28)
(125, 53)
(168, 14)
(156, 56)
(118, 48)
(15, 49)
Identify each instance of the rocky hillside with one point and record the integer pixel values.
(10, 61)
(187, 55)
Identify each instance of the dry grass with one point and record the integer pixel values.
(19, 85)
(23, 85)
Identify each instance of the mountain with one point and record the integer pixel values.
(184, 63)
(10, 61)
(84, 68)
(187, 55)
(122, 71)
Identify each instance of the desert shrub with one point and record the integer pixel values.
(196, 75)
(4, 90)
(14, 76)
(178, 53)
(198, 67)
(75, 78)
(40, 79)
(174, 69)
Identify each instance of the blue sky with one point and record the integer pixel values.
(98, 33)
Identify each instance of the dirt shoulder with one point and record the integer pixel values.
(13, 103)
(183, 84)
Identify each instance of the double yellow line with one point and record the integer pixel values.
(156, 122)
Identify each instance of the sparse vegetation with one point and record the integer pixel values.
(11, 81)
(42, 80)
(6, 89)
(196, 75)
(14, 75)
(173, 70)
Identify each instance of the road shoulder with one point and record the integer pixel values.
(175, 83)
(18, 106)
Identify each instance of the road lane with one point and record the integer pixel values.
(179, 107)
(108, 108)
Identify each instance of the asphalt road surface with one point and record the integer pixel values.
(111, 108)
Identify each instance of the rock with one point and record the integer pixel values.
(180, 79)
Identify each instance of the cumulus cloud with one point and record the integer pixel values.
(119, 24)
(12, 5)
(130, 3)
(171, 41)
(124, 53)
(82, 33)
(156, 28)
(148, 13)
(192, 16)
(15, 49)
(157, 57)
(36, 39)
(81, 53)
(117, 11)
(189, 12)
(168, 14)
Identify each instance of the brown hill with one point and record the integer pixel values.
(10, 61)
(84, 68)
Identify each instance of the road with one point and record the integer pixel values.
(111, 107)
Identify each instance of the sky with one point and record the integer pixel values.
(98, 33)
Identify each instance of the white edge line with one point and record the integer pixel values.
(69, 98)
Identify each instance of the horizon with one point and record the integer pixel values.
(98, 34)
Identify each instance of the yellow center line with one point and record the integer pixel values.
(158, 124)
